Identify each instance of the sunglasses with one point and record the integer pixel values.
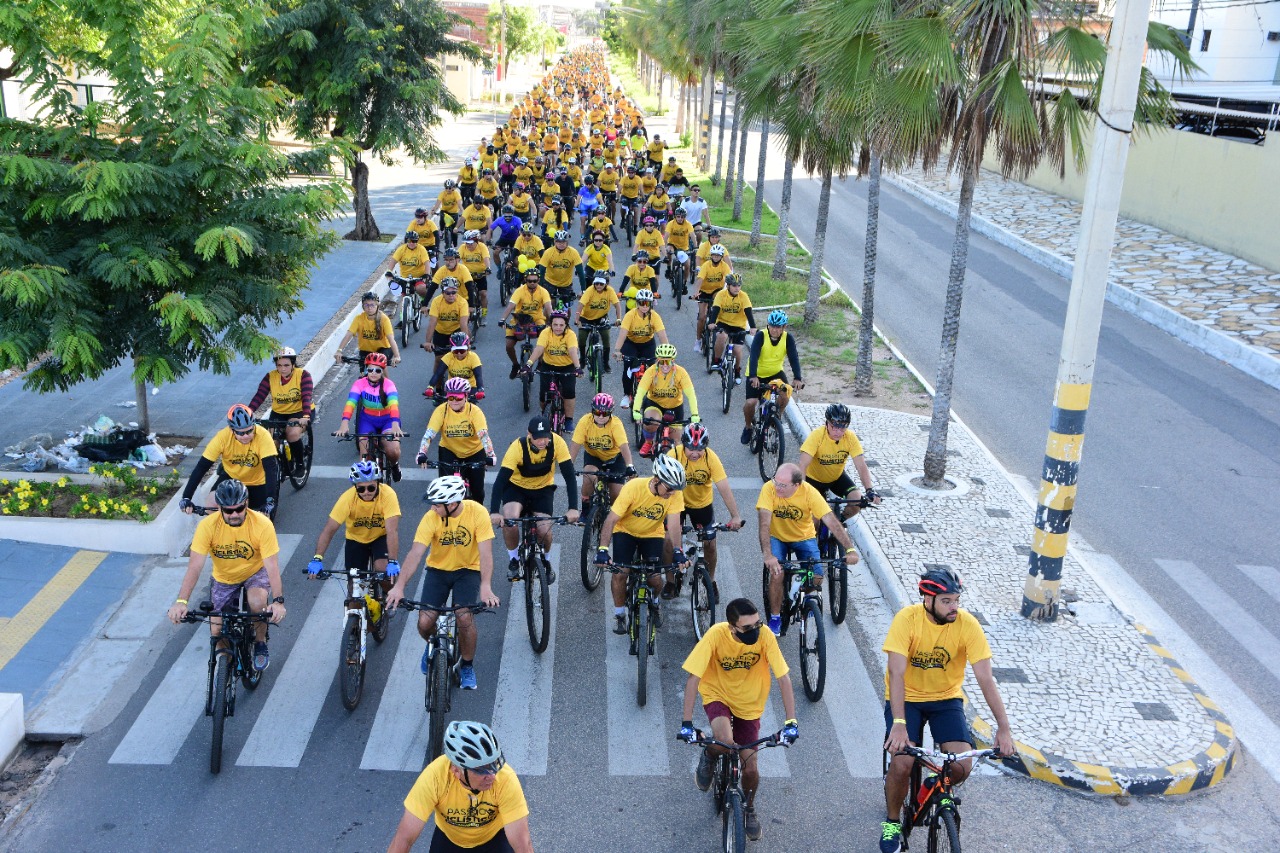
(234, 510)
(455, 396)
(367, 489)
(249, 431)
(373, 371)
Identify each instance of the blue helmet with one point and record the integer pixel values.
(365, 471)
(777, 317)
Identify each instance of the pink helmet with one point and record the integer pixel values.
(456, 386)
(602, 403)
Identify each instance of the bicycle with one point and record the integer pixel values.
(709, 345)
(727, 367)
(829, 548)
(410, 310)
(529, 335)
(934, 805)
(802, 604)
(443, 659)
(703, 593)
(553, 404)
(633, 368)
(629, 221)
(230, 657)
(726, 786)
(365, 612)
(595, 358)
(593, 515)
(298, 474)
(536, 572)
(642, 618)
(664, 439)
(678, 276)
(768, 441)
(373, 449)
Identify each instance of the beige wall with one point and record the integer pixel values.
(1219, 193)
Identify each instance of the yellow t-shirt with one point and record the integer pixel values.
(413, 262)
(629, 186)
(655, 150)
(530, 247)
(459, 431)
(643, 514)
(521, 203)
(597, 305)
(640, 329)
(487, 187)
(514, 458)
(733, 309)
(366, 521)
(372, 333)
(426, 231)
(667, 390)
(650, 241)
(468, 175)
(603, 443)
(641, 278)
(242, 461)
(658, 201)
(700, 476)
(460, 272)
(704, 252)
(936, 654)
(598, 260)
(530, 303)
(286, 397)
(829, 456)
(476, 259)
(450, 201)
(668, 171)
(448, 314)
(600, 222)
(464, 367)
(475, 217)
(556, 220)
(560, 265)
(466, 819)
(648, 183)
(712, 276)
(556, 348)
(609, 177)
(733, 672)
(679, 235)
(237, 552)
(456, 545)
(793, 518)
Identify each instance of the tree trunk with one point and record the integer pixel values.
(784, 215)
(742, 172)
(819, 248)
(661, 80)
(866, 333)
(935, 455)
(683, 99)
(144, 407)
(706, 106)
(758, 213)
(366, 228)
(724, 101)
(733, 148)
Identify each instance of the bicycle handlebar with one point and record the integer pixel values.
(709, 528)
(203, 615)
(366, 574)
(437, 464)
(352, 436)
(647, 568)
(607, 476)
(409, 604)
(917, 752)
(765, 742)
(527, 520)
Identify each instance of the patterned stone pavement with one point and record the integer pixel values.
(1212, 288)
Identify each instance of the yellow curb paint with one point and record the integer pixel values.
(18, 630)
(1100, 778)
(1187, 771)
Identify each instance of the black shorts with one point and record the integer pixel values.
(708, 298)
(678, 410)
(440, 843)
(754, 393)
(257, 494)
(564, 379)
(945, 717)
(440, 342)
(473, 475)
(701, 516)
(534, 501)
(616, 465)
(480, 282)
(840, 487)
(630, 549)
(640, 352)
(463, 583)
(468, 192)
(359, 554)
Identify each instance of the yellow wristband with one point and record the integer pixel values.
(181, 601)
(898, 721)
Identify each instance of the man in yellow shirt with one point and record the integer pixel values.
(824, 454)
(732, 314)
(476, 216)
(426, 228)
(372, 331)
(528, 305)
(447, 313)
(710, 281)
(466, 448)
(370, 511)
(558, 360)
(474, 254)
(559, 266)
(450, 267)
(650, 241)
(666, 386)
(467, 177)
(629, 191)
(449, 206)
(786, 509)
(244, 451)
(656, 148)
(730, 667)
(528, 243)
(928, 645)
(526, 487)
(679, 236)
(411, 259)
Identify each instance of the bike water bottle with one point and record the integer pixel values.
(926, 790)
(795, 586)
(374, 606)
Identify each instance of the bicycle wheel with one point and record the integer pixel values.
(351, 663)
(640, 636)
(526, 384)
(415, 308)
(677, 284)
(591, 524)
(734, 834)
(405, 320)
(708, 350)
(838, 580)
(437, 704)
(702, 600)
(813, 650)
(944, 832)
(382, 626)
(726, 385)
(301, 472)
(221, 692)
(537, 604)
(773, 448)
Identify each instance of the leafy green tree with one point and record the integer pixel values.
(157, 227)
(521, 36)
(365, 71)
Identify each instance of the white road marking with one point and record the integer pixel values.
(398, 739)
(637, 736)
(1266, 577)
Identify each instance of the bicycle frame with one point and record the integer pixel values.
(941, 798)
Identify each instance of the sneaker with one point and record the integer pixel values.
(550, 572)
(484, 312)
(515, 371)
(608, 368)
(697, 346)
(737, 380)
(702, 776)
(646, 449)
(745, 438)
(261, 659)
(890, 836)
(619, 623)
(568, 426)
(626, 402)
(467, 677)
(775, 625)
(669, 591)
(425, 653)
(751, 824)
(513, 569)
(395, 474)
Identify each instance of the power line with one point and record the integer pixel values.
(1205, 6)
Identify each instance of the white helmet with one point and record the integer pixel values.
(446, 490)
(472, 746)
(644, 295)
(472, 235)
(669, 472)
(717, 250)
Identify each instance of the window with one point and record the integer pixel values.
(1204, 40)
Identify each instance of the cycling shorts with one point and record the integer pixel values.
(440, 843)
(257, 494)
(701, 516)
(737, 337)
(754, 393)
(358, 554)
(945, 717)
(473, 475)
(632, 549)
(564, 379)
(534, 501)
(463, 583)
(679, 411)
(616, 465)
(374, 423)
(840, 487)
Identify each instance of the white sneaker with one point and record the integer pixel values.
(697, 346)
(626, 402)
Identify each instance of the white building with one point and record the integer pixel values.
(1234, 41)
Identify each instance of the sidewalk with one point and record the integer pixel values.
(1094, 701)
(1221, 304)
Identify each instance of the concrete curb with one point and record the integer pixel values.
(12, 727)
(1204, 770)
(1248, 359)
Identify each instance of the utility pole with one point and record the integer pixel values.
(1191, 24)
(1116, 104)
(502, 44)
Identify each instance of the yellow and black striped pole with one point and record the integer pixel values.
(1119, 97)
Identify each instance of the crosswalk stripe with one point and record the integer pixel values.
(522, 710)
(1266, 577)
(637, 736)
(1234, 619)
(158, 733)
(398, 739)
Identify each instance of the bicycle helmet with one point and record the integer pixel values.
(640, 256)
(488, 172)
(448, 184)
(287, 352)
(561, 236)
(240, 417)
(649, 220)
(231, 492)
(644, 295)
(523, 161)
(556, 200)
(695, 437)
(669, 472)
(599, 279)
(777, 317)
(631, 167)
(450, 283)
(940, 581)
(422, 211)
(733, 280)
(713, 231)
(602, 403)
(472, 236)
(680, 211)
(508, 210)
(558, 314)
(716, 251)
(451, 254)
(456, 385)
(837, 414)
(589, 179)
(446, 490)
(527, 228)
(365, 471)
(459, 341)
(411, 236)
(375, 359)
(665, 351)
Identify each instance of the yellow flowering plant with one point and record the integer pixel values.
(123, 493)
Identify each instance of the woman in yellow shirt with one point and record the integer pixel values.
(596, 258)
(465, 445)
(372, 331)
(604, 439)
(558, 359)
(636, 344)
(665, 387)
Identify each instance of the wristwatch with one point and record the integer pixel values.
(279, 599)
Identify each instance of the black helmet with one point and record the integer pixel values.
(940, 581)
(508, 209)
(837, 414)
(231, 492)
(450, 253)
(411, 236)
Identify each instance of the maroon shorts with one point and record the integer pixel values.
(225, 596)
(744, 731)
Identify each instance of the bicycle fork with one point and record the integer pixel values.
(358, 608)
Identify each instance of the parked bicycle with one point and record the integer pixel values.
(364, 613)
(830, 549)
(593, 515)
(642, 618)
(537, 575)
(934, 805)
(768, 441)
(409, 311)
(594, 356)
(726, 786)
(802, 605)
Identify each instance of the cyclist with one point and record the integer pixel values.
(558, 358)
(467, 177)
(786, 508)
(447, 313)
(593, 308)
(609, 180)
(473, 795)
(451, 268)
(679, 238)
(528, 243)
(289, 390)
(506, 229)
(639, 276)
(702, 470)
(411, 259)
(644, 521)
(530, 306)
(732, 314)
(668, 170)
(526, 486)
(730, 667)
(629, 189)
(928, 645)
(426, 229)
(696, 209)
(556, 219)
(521, 203)
(665, 387)
(475, 256)
(464, 437)
(376, 399)
(713, 239)
(370, 511)
(823, 456)
(454, 536)
(601, 222)
(648, 183)
(607, 449)
(588, 201)
(460, 361)
(658, 204)
(597, 259)
(448, 205)
(487, 190)
(559, 266)
(372, 330)
(244, 452)
(650, 241)
(711, 278)
(476, 216)
(656, 147)
(767, 353)
(245, 553)
(639, 334)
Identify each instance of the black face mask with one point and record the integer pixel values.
(748, 638)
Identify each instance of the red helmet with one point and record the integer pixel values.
(695, 437)
(375, 359)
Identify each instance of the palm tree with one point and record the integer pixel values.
(758, 213)
(779, 271)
